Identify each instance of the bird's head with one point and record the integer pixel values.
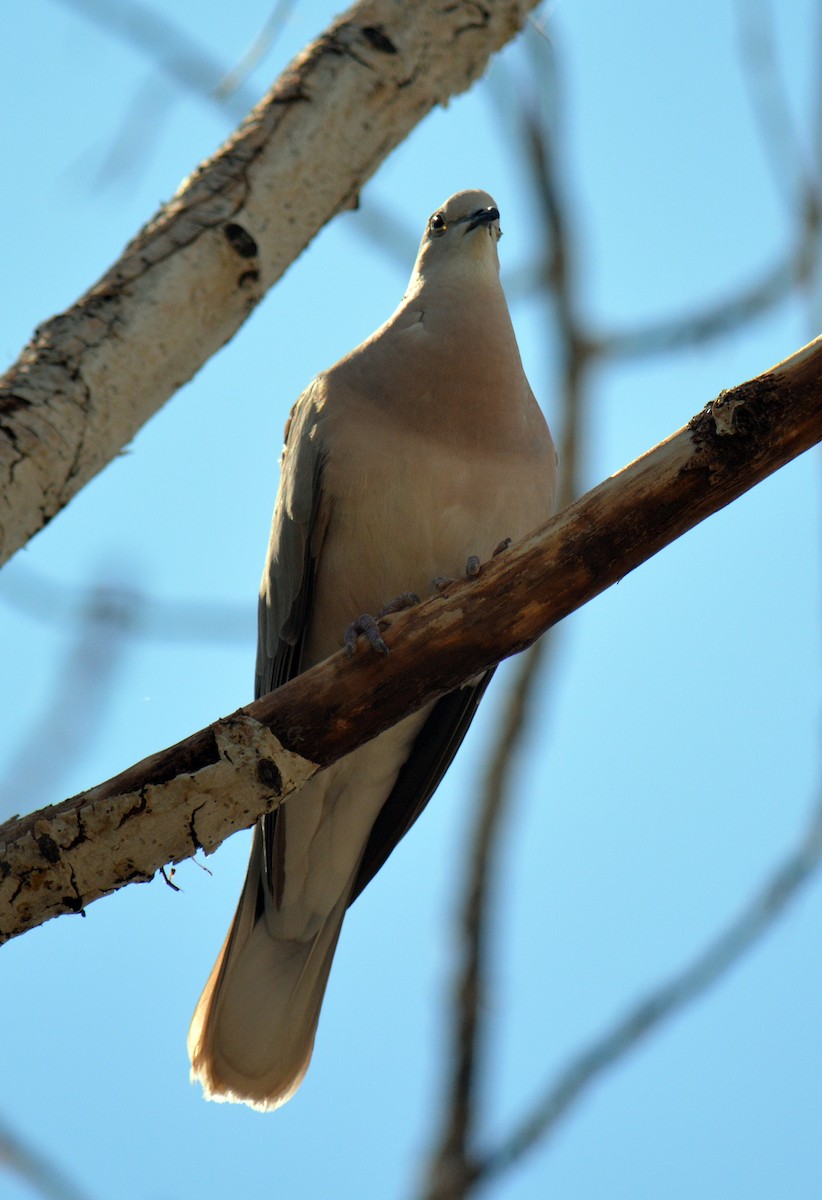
(460, 239)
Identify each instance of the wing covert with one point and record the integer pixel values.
(293, 549)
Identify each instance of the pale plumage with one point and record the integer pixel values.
(422, 447)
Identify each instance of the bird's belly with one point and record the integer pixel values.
(399, 521)
(407, 521)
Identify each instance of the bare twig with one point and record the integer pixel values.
(83, 682)
(177, 60)
(792, 177)
(771, 902)
(193, 620)
(258, 49)
(452, 1165)
(781, 140)
(169, 48)
(32, 1166)
(724, 316)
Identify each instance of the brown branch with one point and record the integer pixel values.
(763, 909)
(92, 376)
(219, 780)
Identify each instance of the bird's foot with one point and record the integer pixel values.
(406, 600)
(472, 568)
(369, 627)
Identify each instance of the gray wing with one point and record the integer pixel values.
(288, 578)
(285, 603)
(293, 548)
(420, 775)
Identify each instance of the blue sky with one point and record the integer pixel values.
(669, 765)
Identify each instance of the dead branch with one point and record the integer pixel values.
(220, 779)
(93, 375)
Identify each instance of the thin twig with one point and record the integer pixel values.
(32, 1166)
(792, 177)
(85, 677)
(766, 87)
(452, 1163)
(258, 49)
(689, 330)
(37, 595)
(172, 52)
(168, 47)
(765, 907)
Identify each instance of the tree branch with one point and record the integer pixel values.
(723, 316)
(762, 910)
(219, 780)
(93, 375)
(174, 51)
(29, 1164)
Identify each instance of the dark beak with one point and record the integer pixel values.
(483, 216)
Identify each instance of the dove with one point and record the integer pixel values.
(421, 451)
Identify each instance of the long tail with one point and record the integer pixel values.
(253, 1030)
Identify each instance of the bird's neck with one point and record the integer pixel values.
(461, 343)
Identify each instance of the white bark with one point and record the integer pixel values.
(93, 375)
(253, 772)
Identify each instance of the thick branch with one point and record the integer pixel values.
(93, 375)
(217, 781)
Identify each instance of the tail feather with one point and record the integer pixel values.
(253, 1030)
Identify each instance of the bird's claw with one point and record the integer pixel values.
(406, 600)
(472, 568)
(504, 544)
(369, 627)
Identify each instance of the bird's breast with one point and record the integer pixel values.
(405, 507)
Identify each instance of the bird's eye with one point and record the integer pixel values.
(437, 224)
